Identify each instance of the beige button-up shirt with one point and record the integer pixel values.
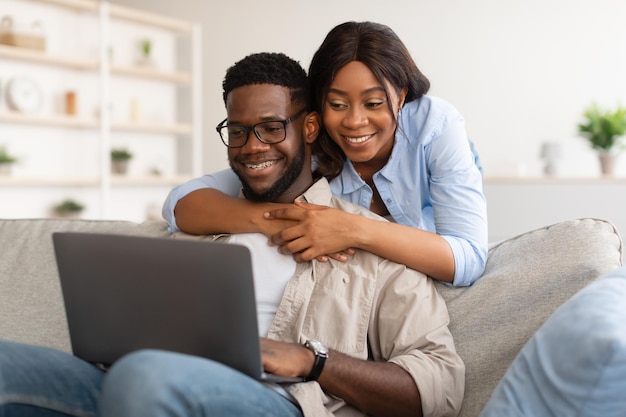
(370, 302)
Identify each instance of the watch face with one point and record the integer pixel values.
(318, 347)
(23, 94)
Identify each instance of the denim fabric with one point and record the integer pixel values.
(37, 381)
(153, 383)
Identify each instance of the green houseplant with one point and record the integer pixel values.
(119, 160)
(604, 130)
(145, 49)
(6, 161)
(68, 208)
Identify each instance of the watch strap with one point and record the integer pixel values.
(318, 365)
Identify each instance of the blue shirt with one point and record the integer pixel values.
(432, 181)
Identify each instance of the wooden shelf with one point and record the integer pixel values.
(85, 123)
(147, 18)
(55, 121)
(148, 180)
(116, 180)
(40, 57)
(126, 13)
(8, 181)
(148, 127)
(78, 5)
(177, 77)
(551, 180)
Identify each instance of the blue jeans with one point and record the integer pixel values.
(37, 381)
(154, 383)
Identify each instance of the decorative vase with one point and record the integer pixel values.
(551, 152)
(5, 168)
(607, 163)
(119, 166)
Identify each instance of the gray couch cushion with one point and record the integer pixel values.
(526, 278)
(31, 307)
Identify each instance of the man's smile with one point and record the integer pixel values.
(261, 165)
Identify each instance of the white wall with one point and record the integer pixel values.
(521, 71)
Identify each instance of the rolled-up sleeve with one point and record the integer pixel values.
(410, 328)
(458, 202)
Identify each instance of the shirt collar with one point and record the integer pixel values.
(350, 179)
(318, 193)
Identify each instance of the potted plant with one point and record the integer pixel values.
(145, 49)
(119, 160)
(6, 161)
(604, 130)
(68, 208)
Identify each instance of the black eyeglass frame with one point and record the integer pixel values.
(284, 122)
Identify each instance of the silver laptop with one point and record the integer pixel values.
(124, 293)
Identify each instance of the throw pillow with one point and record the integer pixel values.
(575, 364)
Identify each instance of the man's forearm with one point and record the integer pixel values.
(377, 388)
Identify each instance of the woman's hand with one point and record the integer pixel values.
(321, 232)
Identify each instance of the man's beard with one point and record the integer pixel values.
(279, 187)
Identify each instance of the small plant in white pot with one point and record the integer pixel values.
(120, 158)
(604, 129)
(145, 52)
(6, 161)
(68, 208)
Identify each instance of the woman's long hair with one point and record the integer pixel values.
(382, 51)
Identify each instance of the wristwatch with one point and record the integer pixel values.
(321, 354)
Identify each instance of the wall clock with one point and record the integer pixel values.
(23, 94)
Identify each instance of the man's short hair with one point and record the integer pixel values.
(269, 68)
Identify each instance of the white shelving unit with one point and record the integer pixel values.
(154, 110)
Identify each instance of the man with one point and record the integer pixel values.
(369, 335)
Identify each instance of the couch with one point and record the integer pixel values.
(527, 278)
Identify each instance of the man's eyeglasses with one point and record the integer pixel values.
(270, 132)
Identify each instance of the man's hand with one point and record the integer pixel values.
(286, 359)
(377, 388)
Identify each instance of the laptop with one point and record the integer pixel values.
(123, 293)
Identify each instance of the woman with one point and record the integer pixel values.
(385, 145)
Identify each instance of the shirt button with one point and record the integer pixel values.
(346, 280)
(388, 200)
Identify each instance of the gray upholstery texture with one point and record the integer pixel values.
(31, 304)
(527, 277)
